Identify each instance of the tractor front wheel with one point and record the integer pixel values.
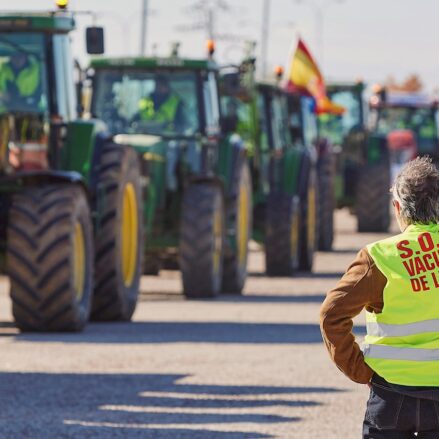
(308, 224)
(373, 202)
(282, 234)
(326, 201)
(202, 240)
(119, 234)
(239, 220)
(50, 258)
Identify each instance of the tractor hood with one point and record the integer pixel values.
(161, 149)
(138, 140)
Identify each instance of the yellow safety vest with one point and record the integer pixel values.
(402, 342)
(165, 113)
(26, 81)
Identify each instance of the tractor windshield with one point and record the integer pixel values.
(142, 102)
(336, 127)
(420, 120)
(23, 84)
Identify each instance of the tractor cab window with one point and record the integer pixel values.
(147, 102)
(420, 120)
(336, 127)
(279, 122)
(211, 103)
(66, 98)
(310, 132)
(23, 80)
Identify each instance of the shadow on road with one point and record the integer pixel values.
(189, 332)
(270, 298)
(41, 405)
(165, 296)
(301, 275)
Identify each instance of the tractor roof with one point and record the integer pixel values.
(37, 21)
(345, 86)
(152, 63)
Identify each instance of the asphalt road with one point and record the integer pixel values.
(237, 367)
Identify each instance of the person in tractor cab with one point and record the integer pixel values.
(397, 281)
(162, 106)
(20, 82)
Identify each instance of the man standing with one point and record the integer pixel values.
(397, 281)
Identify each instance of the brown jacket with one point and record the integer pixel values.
(360, 287)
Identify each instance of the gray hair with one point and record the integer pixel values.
(416, 188)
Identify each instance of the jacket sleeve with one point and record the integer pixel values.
(361, 286)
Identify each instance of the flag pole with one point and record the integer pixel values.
(265, 29)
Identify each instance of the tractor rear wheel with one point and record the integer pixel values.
(326, 202)
(308, 224)
(119, 234)
(373, 202)
(282, 234)
(239, 220)
(202, 240)
(50, 258)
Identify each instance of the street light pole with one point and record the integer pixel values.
(143, 27)
(265, 35)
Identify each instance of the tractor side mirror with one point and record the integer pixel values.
(95, 40)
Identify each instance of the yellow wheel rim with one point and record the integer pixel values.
(243, 224)
(129, 233)
(311, 217)
(78, 260)
(218, 240)
(294, 238)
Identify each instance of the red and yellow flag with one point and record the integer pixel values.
(305, 77)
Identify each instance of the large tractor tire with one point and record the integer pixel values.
(50, 258)
(373, 202)
(119, 235)
(282, 234)
(326, 202)
(202, 240)
(239, 226)
(308, 223)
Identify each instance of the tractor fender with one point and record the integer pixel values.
(101, 139)
(232, 151)
(38, 178)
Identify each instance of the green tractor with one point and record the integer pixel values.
(348, 134)
(198, 199)
(399, 127)
(70, 217)
(283, 160)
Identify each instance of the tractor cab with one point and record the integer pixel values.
(37, 88)
(168, 97)
(340, 128)
(409, 123)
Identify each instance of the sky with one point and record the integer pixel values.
(367, 39)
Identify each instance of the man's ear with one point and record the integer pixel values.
(397, 206)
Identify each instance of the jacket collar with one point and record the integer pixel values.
(418, 228)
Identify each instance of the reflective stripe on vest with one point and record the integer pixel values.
(404, 354)
(376, 329)
(402, 342)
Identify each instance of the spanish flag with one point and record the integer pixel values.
(305, 77)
